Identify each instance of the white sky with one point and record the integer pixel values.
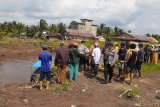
(140, 16)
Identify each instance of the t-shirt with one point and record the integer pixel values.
(83, 49)
(132, 59)
(140, 56)
(96, 55)
(74, 56)
(62, 56)
(122, 54)
(45, 58)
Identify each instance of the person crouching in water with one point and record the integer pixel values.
(131, 58)
(121, 63)
(62, 62)
(111, 57)
(74, 61)
(96, 55)
(45, 70)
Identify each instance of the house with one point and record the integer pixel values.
(78, 34)
(83, 29)
(133, 37)
(153, 40)
(100, 38)
(53, 36)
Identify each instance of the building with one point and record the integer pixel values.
(78, 35)
(84, 25)
(54, 36)
(133, 37)
(100, 38)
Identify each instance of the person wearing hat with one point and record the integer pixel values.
(74, 61)
(109, 62)
(62, 62)
(45, 70)
(84, 52)
(96, 55)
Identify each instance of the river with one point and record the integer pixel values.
(15, 70)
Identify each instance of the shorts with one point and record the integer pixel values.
(138, 65)
(121, 65)
(130, 69)
(45, 74)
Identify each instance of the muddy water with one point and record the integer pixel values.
(15, 70)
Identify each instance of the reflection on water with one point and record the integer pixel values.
(15, 71)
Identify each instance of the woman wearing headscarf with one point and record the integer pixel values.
(154, 55)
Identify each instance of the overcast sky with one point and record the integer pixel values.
(140, 16)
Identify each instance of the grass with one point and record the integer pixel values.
(60, 87)
(150, 68)
(129, 93)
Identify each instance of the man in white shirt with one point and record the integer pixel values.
(96, 55)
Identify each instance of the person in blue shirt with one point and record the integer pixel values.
(46, 58)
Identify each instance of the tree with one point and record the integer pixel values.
(42, 25)
(61, 28)
(53, 28)
(118, 31)
(129, 31)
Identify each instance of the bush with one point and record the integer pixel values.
(129, 93)
(61, 87)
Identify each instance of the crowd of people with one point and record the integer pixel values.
(76, 58)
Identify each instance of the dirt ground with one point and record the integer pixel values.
(16, 52)
(86, 92)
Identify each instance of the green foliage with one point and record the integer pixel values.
(129, 93)
(54, 71)
(150, 68)
(60, 87)
(132, 93)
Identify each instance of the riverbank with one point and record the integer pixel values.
(86, 92)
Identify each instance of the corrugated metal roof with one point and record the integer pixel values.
(133, 37)
(141, 37)
(80, 33)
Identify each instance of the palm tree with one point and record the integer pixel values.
(61, 28)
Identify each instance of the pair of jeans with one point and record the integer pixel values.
(95, 69)
(108, 70)
(82, 62)
(73, 71)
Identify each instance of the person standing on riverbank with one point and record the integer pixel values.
(62, 62)
(45, 70)
(83, 50)
(121, 61)
(96, 55)
(109, 64)
(74, 61)
(131, 58)
(140, 60)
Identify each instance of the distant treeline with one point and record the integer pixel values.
(17, 29)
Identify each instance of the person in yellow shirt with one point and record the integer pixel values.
(116, 48)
